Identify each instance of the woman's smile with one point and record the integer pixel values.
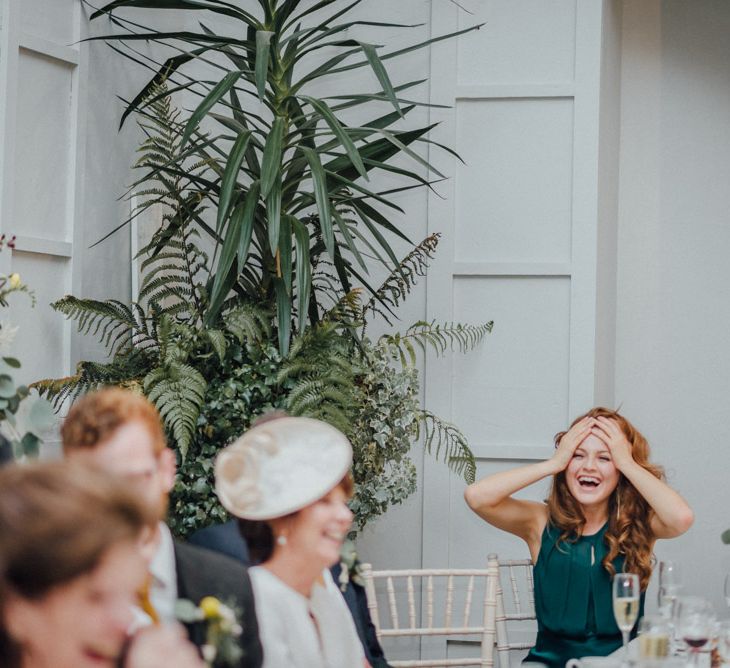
(591, 474)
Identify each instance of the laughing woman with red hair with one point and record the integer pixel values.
(607, 506)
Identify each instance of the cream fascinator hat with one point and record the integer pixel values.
(280, 467)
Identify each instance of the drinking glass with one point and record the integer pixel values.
(626, 596)
(654, 636)
(668, 595)
(723, 640)
(668, 577)
(727, 589)
(695, 624)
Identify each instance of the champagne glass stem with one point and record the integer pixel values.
(625, 637)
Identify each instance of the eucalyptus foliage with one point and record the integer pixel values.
(281, 164)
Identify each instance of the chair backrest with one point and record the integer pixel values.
(515, 606)
(447, 601)
(457, 603)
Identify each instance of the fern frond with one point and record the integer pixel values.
(438, 337)
(178, 391)
(113, 322)
(248, 322)
(92, 375)
(321, 404)
(217, 340)
(172, 258)
(317, 389)
(401, 280)
(348, 309)
(321, 374)
(439, 436)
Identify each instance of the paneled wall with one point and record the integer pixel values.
(521, 229)
(41, 86)
(672, 354)
(533, 116)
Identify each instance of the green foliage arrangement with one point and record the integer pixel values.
(275, 182)
(362, 387)
(281, 165)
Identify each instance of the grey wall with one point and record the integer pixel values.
(672, 359)
(103, 271)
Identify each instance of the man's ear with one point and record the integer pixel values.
(168, 467)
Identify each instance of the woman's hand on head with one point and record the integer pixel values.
(167, 645)
(570, 441)
(609, 431)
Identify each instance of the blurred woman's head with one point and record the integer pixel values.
(70, 566)
(288, 482)
(628, 513)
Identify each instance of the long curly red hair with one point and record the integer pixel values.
(629, 515)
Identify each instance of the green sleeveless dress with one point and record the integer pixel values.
(573, 599)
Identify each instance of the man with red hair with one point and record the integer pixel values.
(120, 432)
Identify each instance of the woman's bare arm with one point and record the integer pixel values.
(491, 497)
(672, 514)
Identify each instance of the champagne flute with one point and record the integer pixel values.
(727, 590)
(626, 599)
(669, 597)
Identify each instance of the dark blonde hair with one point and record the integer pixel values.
(57, 522)
(95, 417)
(629, 515)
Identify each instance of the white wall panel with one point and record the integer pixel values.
(43, 145)
(40, 342)
(530, 41)
(40, 171)
(54, 21)
(513, 196)
(512, 392)
(476, 539)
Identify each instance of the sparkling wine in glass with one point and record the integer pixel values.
(653, 637)
(626, 601)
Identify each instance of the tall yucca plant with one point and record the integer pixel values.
(283, 163)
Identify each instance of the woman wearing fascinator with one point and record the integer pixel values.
(288, 482)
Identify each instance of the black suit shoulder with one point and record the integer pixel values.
(201, 573)
(223, 538)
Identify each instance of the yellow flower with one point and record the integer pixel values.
(14, 280)
(211, 607)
